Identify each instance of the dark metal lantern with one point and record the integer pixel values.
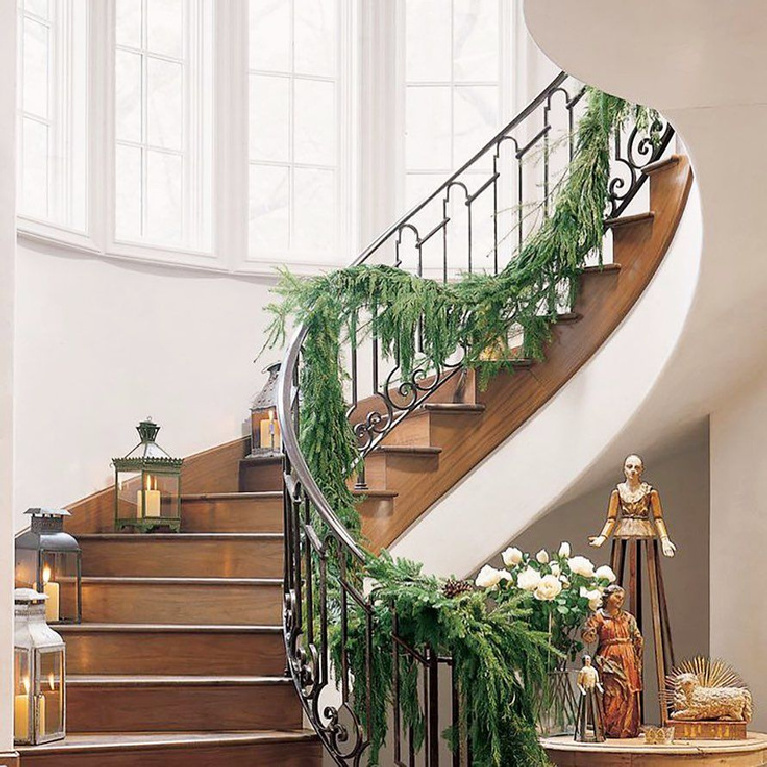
(148, 485)
(264, 426)
(49, 560)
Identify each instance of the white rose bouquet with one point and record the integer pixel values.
(560, 590)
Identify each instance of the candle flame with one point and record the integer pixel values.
(51, 681)
(148, 482)
(271, 416)
(46, 574)
(25, 682)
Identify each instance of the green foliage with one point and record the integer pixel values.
(500, 649)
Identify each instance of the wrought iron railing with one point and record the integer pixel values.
(475, 221)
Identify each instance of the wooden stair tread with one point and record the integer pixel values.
(108, 579)
(451, 407)
(75, 742)
(262, 459)
(241, 496)
(108, 680)
(408, 450)
(665, 162)
(568, 317)
(602, 269)
(378, 493)
(170, 628)
(636, 218)
(180, 537)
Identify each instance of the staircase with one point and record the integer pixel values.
(180, 658)
(443, 439)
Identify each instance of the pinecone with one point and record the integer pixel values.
(453, 588)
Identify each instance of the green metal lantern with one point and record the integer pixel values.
(148, 486)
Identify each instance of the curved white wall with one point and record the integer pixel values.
(100, 344)
(547, 456)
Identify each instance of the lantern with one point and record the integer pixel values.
(148, 485)
(264, 427)
(39, 698)
(49, 560)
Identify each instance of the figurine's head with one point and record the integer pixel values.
(586, 660)
(633, 467)
(614, 597)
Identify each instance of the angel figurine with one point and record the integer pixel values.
(589, 727)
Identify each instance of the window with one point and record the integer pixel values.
(453, 59)
(294, 127)
(163, 122)
(52, 109)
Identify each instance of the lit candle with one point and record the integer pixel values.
(152, 501)
(21, 714)
(41, 714)
(51, 590)
(270, 432)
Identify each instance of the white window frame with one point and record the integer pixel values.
(347, 160)
(60, 122)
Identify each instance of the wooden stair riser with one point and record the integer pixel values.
(397, 470)
(299, 754)
(257, 476)
(182, 557)
(148, 652)
(182, 603)
(232, 515)
(217, 707)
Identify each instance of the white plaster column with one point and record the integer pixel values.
(739, 537)
(7, 263)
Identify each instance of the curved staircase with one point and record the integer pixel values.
(180, 659)
(437, 444)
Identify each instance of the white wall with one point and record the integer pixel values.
(739, 537)
(101, 344)
(7, 264)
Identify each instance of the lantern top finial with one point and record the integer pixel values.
(148, 430)
(28, 597)
(267, 397)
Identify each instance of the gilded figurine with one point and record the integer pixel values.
(619, 663)
(635, 511)
(589, 727)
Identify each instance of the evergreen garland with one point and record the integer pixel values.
(500, 660)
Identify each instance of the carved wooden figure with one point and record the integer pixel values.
(635, 523)
(619, 663)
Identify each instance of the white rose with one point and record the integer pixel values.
(606, 572)
(563, 580)
(564, 549)
(528, 580)
(489, 577)
(594, 597)
(582, 566)
(512, 557)
(556, 569)
(548, 589)
(542, 556)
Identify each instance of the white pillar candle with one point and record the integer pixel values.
(21, 717)
(52, 590)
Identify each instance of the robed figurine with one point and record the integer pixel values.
(618, 660)
(589, 727)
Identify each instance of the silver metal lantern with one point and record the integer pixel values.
(265, 436)
(49, 560)
(39, 698)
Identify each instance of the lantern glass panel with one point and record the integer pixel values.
(168, 486)
(50, 701)
(59, 573)
(22, 695)
(128, 494)
(26, 568)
